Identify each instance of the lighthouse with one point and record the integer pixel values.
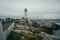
(25, 11)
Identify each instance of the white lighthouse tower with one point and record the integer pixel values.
(25, 11)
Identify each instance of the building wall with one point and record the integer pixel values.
(4, 34)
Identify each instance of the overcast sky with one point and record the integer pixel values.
(45, 9)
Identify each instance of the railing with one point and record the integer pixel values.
(6, 24)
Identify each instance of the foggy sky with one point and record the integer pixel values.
(45, 9)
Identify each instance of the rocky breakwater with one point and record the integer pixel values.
(47, 27)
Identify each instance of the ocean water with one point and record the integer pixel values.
(58, 23)
(57, 32)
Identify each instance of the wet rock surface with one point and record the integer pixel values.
(47, 27)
